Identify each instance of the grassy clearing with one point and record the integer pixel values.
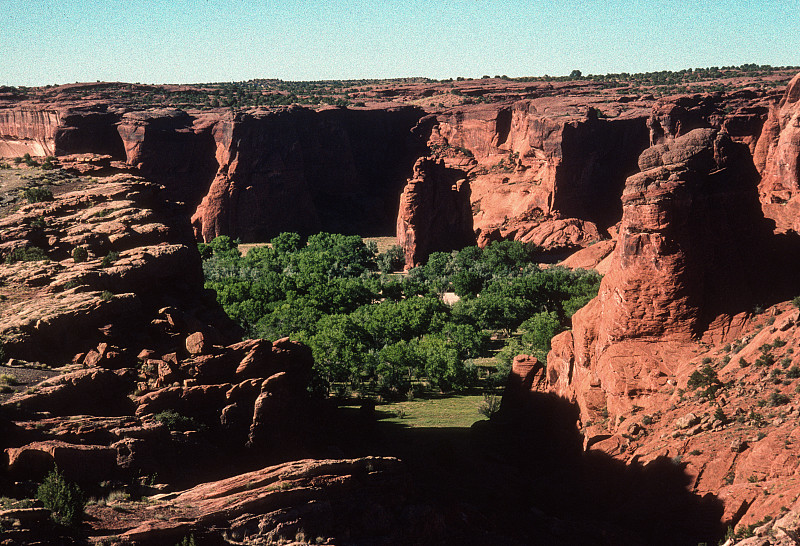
(451, 411)
(384, 243)
(245, 247)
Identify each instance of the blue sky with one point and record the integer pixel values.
(184, 41)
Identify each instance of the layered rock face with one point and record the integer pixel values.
(687, 260)
(60, 130)
(740, 114)
(172, 148)
(531, 165)
(135, 335)
(28, 131)
(298, 170)
(435, 212)
(778, 157)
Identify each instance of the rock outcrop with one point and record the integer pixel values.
(778, 158)
(138, 256)
(686, 264)
(740, 114)
(531, 165)
(299, 170)
(435, 212)
(299, 501)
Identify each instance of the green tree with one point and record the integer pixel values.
(64, 499)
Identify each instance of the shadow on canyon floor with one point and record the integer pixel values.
(527, 480)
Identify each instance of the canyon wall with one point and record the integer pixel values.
(691, 259)
(28, 131)
(547, 170)
(299, 170)
(777, 155)
(531, 165)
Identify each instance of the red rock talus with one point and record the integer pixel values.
(778, 157)
(434, 212)
(685, 263)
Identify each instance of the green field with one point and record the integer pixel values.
(450, 411)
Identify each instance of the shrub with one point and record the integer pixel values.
(9, 379)
(29, 161)
(489, 406)
(37, 194)
(38, 223)
(80, 254)
(778, 399)
(705, 377)
(175, 421)
(187, 541)
(793, 372)
(392, 260)
(796, 301)
(63, 498)
(27, 254)
(106, 295)
(109, 258)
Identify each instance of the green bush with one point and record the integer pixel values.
(37, 194)
(80, 254)
(63, 498)
(29, 161)
(27, 254)
(175, 421)
(187, 541)
(705, 377)
(109, 258)
(490, 405)
(392, 260)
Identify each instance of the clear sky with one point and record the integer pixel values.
(185, 41)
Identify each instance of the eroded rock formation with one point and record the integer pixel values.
(778, 158)
(139, 257)
(687, 260)
(434, 212)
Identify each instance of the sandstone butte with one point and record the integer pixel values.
(686, 203)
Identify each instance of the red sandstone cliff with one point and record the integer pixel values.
(548, 169)
(685, 263)
(777, 156)
(434, 212)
